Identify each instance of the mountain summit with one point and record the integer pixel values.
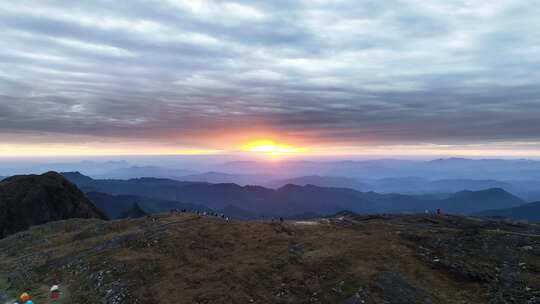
(27, 200)
(187, 258)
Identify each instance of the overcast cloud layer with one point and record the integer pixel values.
(411, 71)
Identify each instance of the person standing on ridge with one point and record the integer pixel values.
(55, 293)
(25, 298)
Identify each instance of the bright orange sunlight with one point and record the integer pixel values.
(271, 148)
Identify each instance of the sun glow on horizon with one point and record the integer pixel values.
(267, 148)
(271, 148)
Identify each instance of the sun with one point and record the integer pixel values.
(271, 148)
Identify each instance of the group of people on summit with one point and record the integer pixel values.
(26, 298)
(201, 213)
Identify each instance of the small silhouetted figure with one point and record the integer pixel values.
(439, 212)
(281, 219)
(55, 292)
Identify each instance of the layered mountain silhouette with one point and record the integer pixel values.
(115, 206)
(528, 212)
(220, 177)
(141, 171)
(448, 168)
(27, 200)
(415, 185)
(293, 199)
(322, 181)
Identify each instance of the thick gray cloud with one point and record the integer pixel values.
(177, 71)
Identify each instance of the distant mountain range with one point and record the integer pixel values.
(529, 212)
(404, 185)
(145, 171)
(416, 185)
(449, 168)
(322, 181)
(220, 178)
(115, 206)
(90, 167)
(525, 189)
(520, 177)
(260, 172)
(293, 199)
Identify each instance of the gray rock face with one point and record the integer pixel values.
(28, 200)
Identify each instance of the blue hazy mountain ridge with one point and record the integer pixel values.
(220, 177)
(115, 206)
(395, 183)
(145, 171)
(527, 190)
(90, 167)
(417, 185)
(451, 168)
(519, 171)
(293, 199)
(382, 168)
(322, 181)
(439, 169)
(409, 185)
(528, 212)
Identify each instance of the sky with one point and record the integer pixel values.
(329, 77)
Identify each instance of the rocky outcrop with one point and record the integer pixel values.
(28, 200)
